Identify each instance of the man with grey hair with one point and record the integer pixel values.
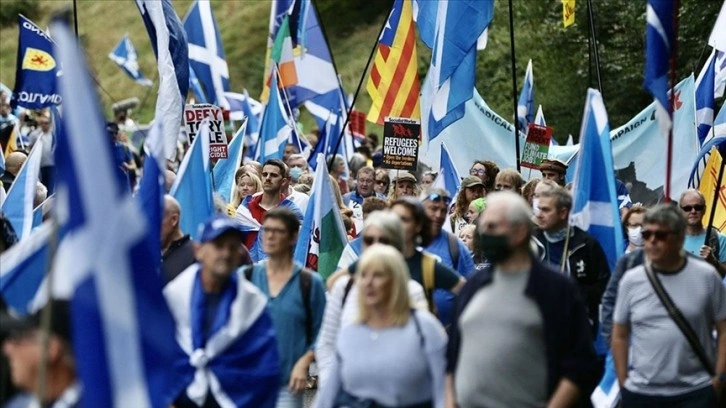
(655, 363)
(693, 204)
(531, 318)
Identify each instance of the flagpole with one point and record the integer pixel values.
(674, 58)
(357, 90)
(714, 202)
(287, 100)
(514, 85)
(596, 51)
(75, 18)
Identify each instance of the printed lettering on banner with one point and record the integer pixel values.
(401, 139)
(193, 117)
(537, 146)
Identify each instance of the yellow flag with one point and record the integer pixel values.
(568, 12)
(708, 188)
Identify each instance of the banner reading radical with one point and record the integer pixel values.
(400, 143)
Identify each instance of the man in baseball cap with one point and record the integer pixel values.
(553, 169)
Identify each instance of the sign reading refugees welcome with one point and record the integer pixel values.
(400, 143)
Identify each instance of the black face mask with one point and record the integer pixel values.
(495, 248)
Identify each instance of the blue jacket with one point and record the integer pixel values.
(568, 341)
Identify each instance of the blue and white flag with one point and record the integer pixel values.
(719, 74)
(242, 106)
(153, 186)
(275, 128)
(525, 105)
(717, 39)
(659, 41)
(448, 178)
(35, 75)
(124, 55)
(716, 137)
(2, 164)
(18, 205)
(539, 119)
(23, 271)
(196, 87)
(170, 47)
(224, 182)
(121, 323)
(192, 186)
(607, 392)
(595, 203)
(206, 54)
(301, 144)
(458, 26)
(705, 97)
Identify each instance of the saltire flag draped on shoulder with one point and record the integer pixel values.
(275, 127)
(458, 26)
(119, 316)
(170, 47)
(709, 188)
(705, 101)
(322, 235)
(448, 178)
(18, 205)
(525, 105)
(192, 186)
(224, 169)
(394, 83)
(206, 54)
(35, 75)
(595, 204)
(659, 40)
(124, 55)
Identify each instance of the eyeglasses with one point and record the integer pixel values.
(477, 172)
(697, 207)
(658, 235)
(384, 182)
(438, 197)
(369, 240)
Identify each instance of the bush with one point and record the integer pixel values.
(10, 10)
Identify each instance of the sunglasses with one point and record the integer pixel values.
(697, 207)
(658, 235)
(477, 172)
(369, 240)
(438, 197)
(381, 182)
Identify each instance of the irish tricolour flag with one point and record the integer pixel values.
(322, 236)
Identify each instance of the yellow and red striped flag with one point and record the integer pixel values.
(708, 188)
(394, 84)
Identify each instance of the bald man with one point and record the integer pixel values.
(13, 163)
(169, 177)
(177, 250)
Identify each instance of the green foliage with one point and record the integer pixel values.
(10, 10)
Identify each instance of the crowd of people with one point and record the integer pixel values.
(488, 297)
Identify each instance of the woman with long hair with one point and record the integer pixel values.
(246, 183)
(471, 189)
(393, 355)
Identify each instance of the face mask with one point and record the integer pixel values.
(295, 173)
(635, 236)
(495, 248)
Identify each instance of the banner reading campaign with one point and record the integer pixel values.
(537, 146)
(193, 117)
(35, 75)
(400, 143)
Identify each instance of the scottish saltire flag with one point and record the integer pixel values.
(206, 54)
(275, 127)
(153, 186)
(300, 143)
(253, 112)
(705, 97)
(18, 205)
(525, 105)
(170, 47)
(322, 235)
(102, 261)
(23, 270)
(35, 75)
(607, 392)
(717, 39)
(595, 204)
(196, 87)
(192, 186)
(224, 169)
(659, 41)
(719, 74)
(448, 178)
(457, 29)
(124, 55)
(393, 84)
(242, 106)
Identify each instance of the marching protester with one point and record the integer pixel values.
(532, 319)
(487, 172)
(393, 355)
(553, 169)
(665, 313)
(298, 166)
(296, 301)
(428, 179)
(475, 208)
(466, 235)
(471, 189)
(246, 184)
(404, 185)
(383, 181)
(44, 133)
(177, 248)
(365, 181)
(352, 249)
(337, 171)
(633, 224)
(223, 326)
(13, 163)
(509, 180)
(693, 205)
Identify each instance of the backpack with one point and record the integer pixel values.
(306, 283)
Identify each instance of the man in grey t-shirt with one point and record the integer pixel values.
(656, 365)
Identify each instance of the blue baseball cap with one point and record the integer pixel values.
(217, 225)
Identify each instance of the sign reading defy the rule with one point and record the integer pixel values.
(401, 138)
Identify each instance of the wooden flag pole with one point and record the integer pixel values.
(514, 86)
(674, 59)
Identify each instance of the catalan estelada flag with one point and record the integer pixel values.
(394, 84)
(708, 187)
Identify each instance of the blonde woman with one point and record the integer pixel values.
(392, 356)
(246, 183)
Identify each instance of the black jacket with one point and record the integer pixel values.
(569, 347)
(587, 265)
